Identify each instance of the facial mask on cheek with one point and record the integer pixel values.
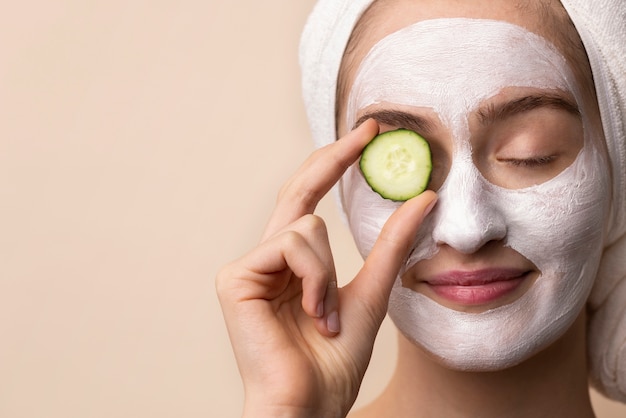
(558, 226)
(450, 66)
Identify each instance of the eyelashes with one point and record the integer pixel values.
(529, 162)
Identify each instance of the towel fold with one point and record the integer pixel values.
(602, 28)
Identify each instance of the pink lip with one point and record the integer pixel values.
(476, 287)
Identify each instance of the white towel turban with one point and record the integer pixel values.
(602, 28)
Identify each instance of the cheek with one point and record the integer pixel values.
(559, 224)
(367, 212)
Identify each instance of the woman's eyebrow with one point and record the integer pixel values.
(399, 119)
(500, 111)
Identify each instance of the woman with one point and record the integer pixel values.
(488, 274)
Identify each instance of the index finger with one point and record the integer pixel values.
(317, 175)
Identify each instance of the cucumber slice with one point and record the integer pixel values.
(397, 164)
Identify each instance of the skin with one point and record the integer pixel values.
(293, 360)
(302, 345)
(555, 380)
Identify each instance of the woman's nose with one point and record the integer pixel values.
(467, 217)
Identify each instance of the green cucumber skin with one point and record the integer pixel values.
(378, 178)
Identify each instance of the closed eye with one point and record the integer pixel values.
(529, 162)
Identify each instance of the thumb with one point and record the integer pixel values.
(375, 280)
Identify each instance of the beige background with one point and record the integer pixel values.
(141, 146)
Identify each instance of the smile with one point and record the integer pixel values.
(478, 287)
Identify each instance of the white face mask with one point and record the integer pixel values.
(450, 66)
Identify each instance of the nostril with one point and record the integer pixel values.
(468, 236)
(467, 213)
(467, 224)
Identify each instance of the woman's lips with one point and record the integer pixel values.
(476, 287)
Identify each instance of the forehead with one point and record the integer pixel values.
(454, 63)
(544, 18)
(387, 16)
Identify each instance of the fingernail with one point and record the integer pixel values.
(332, 322)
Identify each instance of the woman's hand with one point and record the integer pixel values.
(302, 345)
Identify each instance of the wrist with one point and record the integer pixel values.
(293, 401)
(262, 410)
(253, 410)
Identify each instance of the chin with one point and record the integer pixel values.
(494, 340)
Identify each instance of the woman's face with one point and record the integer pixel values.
(505, 262)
